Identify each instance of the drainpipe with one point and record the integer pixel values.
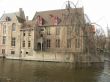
(20, 45)
(41, 43)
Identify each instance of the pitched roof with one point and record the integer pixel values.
(21, 20)
(66, 17)
(10, 15)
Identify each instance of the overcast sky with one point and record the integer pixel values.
(97, 10)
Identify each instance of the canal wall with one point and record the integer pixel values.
(49, 56)
(58, 57)
(45, 56)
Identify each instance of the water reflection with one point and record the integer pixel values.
(32, 71)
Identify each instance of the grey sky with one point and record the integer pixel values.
(97, 10)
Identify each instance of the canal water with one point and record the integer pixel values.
(32, 71)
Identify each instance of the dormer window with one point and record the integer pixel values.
(39, 21)
(55, 19)
(8, 18)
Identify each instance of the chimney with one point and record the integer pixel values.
(26, 18)
(20, 9)
(22, 15)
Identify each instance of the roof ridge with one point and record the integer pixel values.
(10, 13)
(55, 10)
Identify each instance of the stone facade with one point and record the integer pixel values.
(10, 24)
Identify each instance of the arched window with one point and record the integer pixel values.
(4, 29)
(13, 27)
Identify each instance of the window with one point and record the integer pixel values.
(23, 44)
(77, 29)
(41, 35)
(39, 21)
(77, 43)
(4, 40)
(13, 41)
(26, 52)
(12, 52)
(8, 18)
(58, 43)
(69, 30)
(3, 51)
(55, 19)
(4, 29)
(23, 33)
(48, 43)
(29, 43)
(68, 43)
(13, 27)
(41, 29)
(57, 30)
(48, 30)
(29, 33)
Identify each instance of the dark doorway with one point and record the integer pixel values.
(39, 46)
(3, 52)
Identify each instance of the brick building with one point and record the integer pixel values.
(55, 35)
